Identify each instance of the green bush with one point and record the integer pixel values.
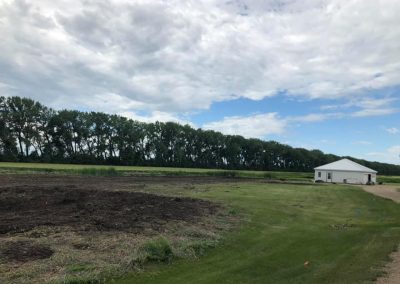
(158, 250)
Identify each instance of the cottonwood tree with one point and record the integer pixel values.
(30, 131)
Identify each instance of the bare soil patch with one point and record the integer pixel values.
(23, 251)
(386, 191)
(24, 208)
(392, 270)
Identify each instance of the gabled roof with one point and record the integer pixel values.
(345, 165)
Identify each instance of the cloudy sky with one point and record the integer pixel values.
(312, 73)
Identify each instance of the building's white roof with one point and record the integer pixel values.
(345, 165)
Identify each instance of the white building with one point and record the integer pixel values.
(345, 171)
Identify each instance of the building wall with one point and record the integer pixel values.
(345, 177)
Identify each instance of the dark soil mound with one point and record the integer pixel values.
(24, 207)
(23, 251)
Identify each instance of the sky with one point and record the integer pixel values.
(317, 74)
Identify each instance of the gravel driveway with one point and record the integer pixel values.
(393, 268)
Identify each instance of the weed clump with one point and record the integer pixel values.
(157, 250)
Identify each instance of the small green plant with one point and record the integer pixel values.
(233, 212)
(158, 250)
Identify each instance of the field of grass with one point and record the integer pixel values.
(137, 170)
(343, 232)
(389, 179)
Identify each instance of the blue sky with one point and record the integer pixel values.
(371, 137)
(321, 74)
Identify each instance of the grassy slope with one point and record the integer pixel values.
(286, 226)
(69, 168)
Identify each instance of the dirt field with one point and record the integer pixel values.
(95, 210)
(393, 268)
(50, 222)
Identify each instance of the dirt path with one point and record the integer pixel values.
(393, 268)
(386, 191)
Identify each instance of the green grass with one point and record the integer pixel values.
(158, 250)
(389, 179)
(345, 233)
(137, 170)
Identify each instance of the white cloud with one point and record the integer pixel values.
(390, 155)
(392, 130)
(362, 142)
(255, 126)
(316, 117)
(374, 103)
(369, 106)
(173, 56)
(374, 112)
(157, 116)
(262, 125)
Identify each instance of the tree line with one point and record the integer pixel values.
(32, 132)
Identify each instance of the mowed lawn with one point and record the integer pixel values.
(343, 232)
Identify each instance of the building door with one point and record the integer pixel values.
(329, 177)
(369, 178)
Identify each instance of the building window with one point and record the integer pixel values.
(319, 174)
(329, 175)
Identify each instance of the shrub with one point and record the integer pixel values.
(158, 250)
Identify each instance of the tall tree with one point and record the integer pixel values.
(31, 131)
(23, 116)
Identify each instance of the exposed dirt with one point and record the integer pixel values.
(386, 191)
(90, 204)
(91, 225)
(392, 269)
(23, 251)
